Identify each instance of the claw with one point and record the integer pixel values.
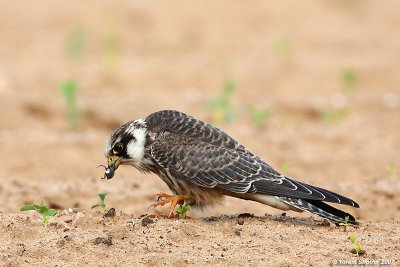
(163, 199)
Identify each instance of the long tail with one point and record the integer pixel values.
(321, 209)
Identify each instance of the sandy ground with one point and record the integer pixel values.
(138, 57)
(81, 239)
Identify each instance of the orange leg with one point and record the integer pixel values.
(163, 199)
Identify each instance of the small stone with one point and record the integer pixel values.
(246, 215)
(237, 232)
(146, 221)
(101, 240)
(110, 213)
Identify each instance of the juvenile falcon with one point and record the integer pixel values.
(200, 164)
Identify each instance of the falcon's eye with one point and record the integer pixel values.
(118, 148)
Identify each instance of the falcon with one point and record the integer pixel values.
(200, 164)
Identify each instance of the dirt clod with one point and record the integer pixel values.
(246, 215)
(146, 221)
(101, 240)
(361, 253)
(238, 232)
(110, 213)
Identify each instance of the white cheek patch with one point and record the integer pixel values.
(135, 148)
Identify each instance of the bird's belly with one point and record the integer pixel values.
(201, 196)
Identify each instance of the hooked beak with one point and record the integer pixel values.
(113, 163)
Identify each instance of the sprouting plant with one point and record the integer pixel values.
(345, 223)
(335, 116)
(182, 209)
(102, 204)
(357, 245)
(258, 115)
(76, 43)
(69, 90)
(110, 51)
(284, 166)
(283, 48)
(348, 78)
(392, 170)
(221, 108)
(42, 210)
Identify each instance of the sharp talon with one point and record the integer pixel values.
(163, 199)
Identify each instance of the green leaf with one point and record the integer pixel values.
(283, 48)
(37, 207)
(45, 221)
(181, 210)
(42, 210)
(95, 206)
(335, 116)
(50, 212)
(76, 43)
(348, 77)
(102, 196)
(221, 109)
(27, 207)
(284, 166)
(229, 87)
(187, 208)
(392, 169)
(358, 248)
(69, 89)
(352, 238)
(259, 116)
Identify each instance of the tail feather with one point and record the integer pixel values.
(321, 209)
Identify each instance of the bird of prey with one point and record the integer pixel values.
(200, 164)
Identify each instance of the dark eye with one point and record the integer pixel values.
(118, 148)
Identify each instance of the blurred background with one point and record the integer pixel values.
(312, 87)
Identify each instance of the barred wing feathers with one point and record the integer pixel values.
(203, 155)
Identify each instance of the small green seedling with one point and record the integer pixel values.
(348, 77)
(345, 223)
(259, 115)
(221, 108)
(334, 116)
(76, 43)
(283, 48)
(42, 210)
(69, 90)
(102, 205)
(111, 51)
(284, 166)
(357, 245)
(182, 209)
(392, 170)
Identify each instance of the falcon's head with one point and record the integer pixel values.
(126, 146)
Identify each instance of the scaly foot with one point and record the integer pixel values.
(163, 199)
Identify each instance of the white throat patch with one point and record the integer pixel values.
(135, 148)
